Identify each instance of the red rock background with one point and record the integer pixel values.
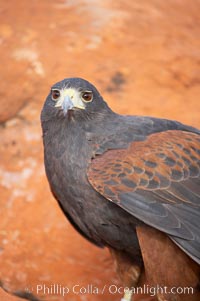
(144, 58)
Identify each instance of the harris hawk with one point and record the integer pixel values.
(129, 183)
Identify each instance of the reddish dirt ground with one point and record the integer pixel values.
(144, 58)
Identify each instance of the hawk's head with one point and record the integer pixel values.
(74, 97)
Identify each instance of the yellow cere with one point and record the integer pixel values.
(74, 95)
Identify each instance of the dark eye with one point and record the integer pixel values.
(55, 94)
(87, 96)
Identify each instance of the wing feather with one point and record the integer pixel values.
(158, 181)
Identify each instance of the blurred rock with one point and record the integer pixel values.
(144, 58)
(6, 297)
(21, 70)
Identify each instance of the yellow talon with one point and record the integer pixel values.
(127, 295)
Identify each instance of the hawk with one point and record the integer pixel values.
(129, 183)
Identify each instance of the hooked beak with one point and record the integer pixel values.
(70, 99)
(67, 104)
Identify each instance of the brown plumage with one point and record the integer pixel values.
(153, 164)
